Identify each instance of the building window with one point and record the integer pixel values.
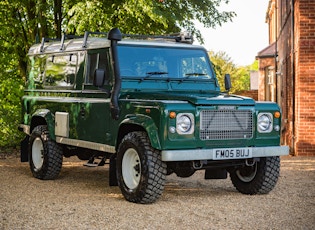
(270, 84)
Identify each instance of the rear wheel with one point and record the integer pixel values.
(141, 173)
(45, 155)
(259, 178)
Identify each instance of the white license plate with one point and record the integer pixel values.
(232, 153)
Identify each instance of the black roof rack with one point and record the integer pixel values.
(46, 40)
(178, 37)
(86, 36)
(63, 38)
(182, 37)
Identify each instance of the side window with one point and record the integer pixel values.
(35, 70)
(93, 60)
(97, 60)
(61, 70)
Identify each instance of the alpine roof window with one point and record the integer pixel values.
(61, 70)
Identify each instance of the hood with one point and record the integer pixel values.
(196, 99)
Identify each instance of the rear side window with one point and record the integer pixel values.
(61, 70)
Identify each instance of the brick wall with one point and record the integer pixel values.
(249, 93)
(285, 76)
(295, 68)
(305, 77)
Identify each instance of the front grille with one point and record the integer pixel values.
(226, 124)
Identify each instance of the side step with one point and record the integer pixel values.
(101, 161)
(97, 160)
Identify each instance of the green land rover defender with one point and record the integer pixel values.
(148, 107)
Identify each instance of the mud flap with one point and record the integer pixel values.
(215, 174)
(112, 171)
(24, 149)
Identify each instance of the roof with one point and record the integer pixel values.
(99, 42)
(269, 51)
(69, 45)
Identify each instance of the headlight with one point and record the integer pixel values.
(185, 123)
(264, 122)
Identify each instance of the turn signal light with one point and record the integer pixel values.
(277, 114)
(172, 115)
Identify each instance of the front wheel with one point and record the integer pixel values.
(45, 155)
(141, 173)
(259, 178)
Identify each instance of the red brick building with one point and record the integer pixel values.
(287, 70)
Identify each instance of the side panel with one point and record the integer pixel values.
(90, 119)
(62, 124)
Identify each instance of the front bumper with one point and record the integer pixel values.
(209, 154)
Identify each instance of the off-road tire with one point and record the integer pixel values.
(258, 179)
(141, 173)
(45, 155)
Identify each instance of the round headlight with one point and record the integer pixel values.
(264, 122)
(184, 123)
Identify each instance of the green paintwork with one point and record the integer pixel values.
(48, 117)
(145, 104)
(148, 124)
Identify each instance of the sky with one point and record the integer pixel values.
(245, 36)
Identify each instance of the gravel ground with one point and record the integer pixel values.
(81, 199)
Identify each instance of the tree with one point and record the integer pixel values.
(223, 64)
(11, 90)
(22, 22)
(30, 20)
(146, 17)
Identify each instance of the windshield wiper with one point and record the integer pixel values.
(155, 73)
(149, 74)
(188, 75)
(195, 74)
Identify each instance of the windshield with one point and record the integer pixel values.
(163, 62)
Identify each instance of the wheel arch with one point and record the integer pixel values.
(139, 123)
(44, 117)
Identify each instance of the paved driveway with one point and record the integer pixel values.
(81, 199)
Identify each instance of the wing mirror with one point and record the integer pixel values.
(227, 82)
(99, 78)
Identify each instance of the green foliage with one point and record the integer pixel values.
(11, 90)
(145, 17)
(22, 22)
(254, 66)
(240, 76)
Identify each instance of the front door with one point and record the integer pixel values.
(93, 124)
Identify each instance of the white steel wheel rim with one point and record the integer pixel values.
(37, 153)
(247, 177)
(131, 168)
